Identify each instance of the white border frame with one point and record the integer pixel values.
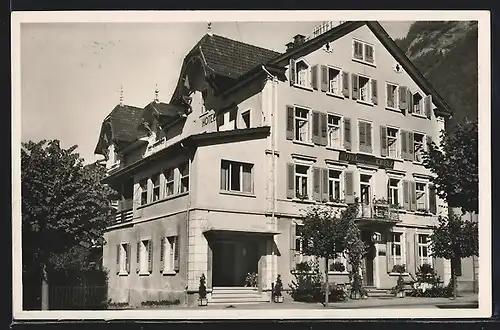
(484, 103)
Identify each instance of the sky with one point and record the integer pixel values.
(72, 73)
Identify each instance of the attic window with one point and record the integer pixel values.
(363, 52)
(302, 69)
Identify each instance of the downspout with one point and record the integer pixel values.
(188, 208)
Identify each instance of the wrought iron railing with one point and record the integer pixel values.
(379, 211)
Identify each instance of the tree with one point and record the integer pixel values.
(64, 204)
(455, 165)
(454, 239)
(327, 235)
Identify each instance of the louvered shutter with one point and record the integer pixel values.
(355, 88)
(406, 195)
(162, 254)
(176, 253)
(411, 147)
(368, 131)
(403, 105)
(118, 258)
(389, 257)
(128, 257)
(292, 72)
(290, 185)
(383, 141)
(428, 106)
(317, 184)
(362, 136)
(432, 199)
(138, 261)
(150, 255)
(290, 132)
(315, 127)
(416, 261)
(404, 145)
(374, 92)
(292, 245)
(413, 196)
(407, 253)
(314, 77)
(410, 100)
(324, 179)
(323, 129)
(324, 79)
(347, 133)
(345, 83)
(349, 187)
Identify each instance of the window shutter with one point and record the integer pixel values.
(406, 195)
(345, 83)
(150, 255)
(324, 79)
(411, 147)
(292, 72)
(118, 258)
(428, 139)
(410, 100)
(369, 53)
(403, 105)
(138, 265)
(374, 92)
(368, 137)
(383, 141)
(413, 196)
(176, 253)
(432, 199)
(292, 245)
(404, 145)
(416, 258)
(162, 254)
(347, 133)
(390, 97)
(317, 184)
(314, 77)
(389, 257)
(223, 178)
(127, 258)
(358, 50)
(349, 187)
(407, 252)
(428, 106)
(362, 136)
(290, 187)
(324, 190)
(355, 89)
(323, 128)
(290, 132)
(315, 127)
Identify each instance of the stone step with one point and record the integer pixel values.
(214, 300)
(235, 290)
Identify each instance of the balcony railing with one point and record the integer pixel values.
(379, 211)
(123, 216)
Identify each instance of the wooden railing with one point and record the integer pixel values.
(123, 216)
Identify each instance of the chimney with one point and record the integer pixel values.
(289, 46)
(298, 39)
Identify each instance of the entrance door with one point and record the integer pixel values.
(368, 277)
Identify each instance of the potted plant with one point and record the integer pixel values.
(251, 280)
(277, 290)
(202, 292)
(398, 290)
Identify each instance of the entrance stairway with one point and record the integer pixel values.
(236, 295)
(378, 293)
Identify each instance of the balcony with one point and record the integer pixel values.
(123, 216)
(378, 211)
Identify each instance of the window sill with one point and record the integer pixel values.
(169, 273)
(303, 201)
(397, 274)
(392, 109)
(123, 274)
(334, 272)
(365, 153)
(396, 159)
(339, 96)
(163, 199)
(237, 193)
(364, 62)
(427, 214)
(335, 148)
(303, 87)
(144, 273)
(365, 102)
(419, 115)
(309, 144)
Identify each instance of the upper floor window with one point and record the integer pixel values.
(423, 250)
(418, 104)
(123, 258)
(365, 136)
(392, 142)
(363, 51)
(144, 191)
(169, 182)
(184, 177)
(334, 185)
(156, 187)
(333, 131)
(335, 81)
(302, 124)
(169, 254)
(236, 176)
(418, 146)
(393, 191)
(392, 96)
(303, 74)
(145, 256)
(421, 196)
(301, 181)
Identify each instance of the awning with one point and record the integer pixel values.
(240, 232)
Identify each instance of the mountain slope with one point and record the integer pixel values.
(446, 54)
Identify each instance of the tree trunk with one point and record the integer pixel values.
(45, 289)
(327, 289)
(454, 277)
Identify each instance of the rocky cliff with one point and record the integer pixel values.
(446, 53)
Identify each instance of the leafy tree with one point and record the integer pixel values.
(454, 239)
(327, 235)
(64, 204)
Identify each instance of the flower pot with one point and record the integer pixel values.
(400, 294)
(202, 301)
(278, 299)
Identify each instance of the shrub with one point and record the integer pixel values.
(160, 302)
(251, 280)
(202, 290)
(428, 284)
(278, 287)
(337, 267)
(399, 269)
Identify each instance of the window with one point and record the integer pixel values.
(392, 96)
(423, 250)
(123, 258)
(334, 81)
(303, 72)
(301, 181)
(397, 246)
(334, 185)
(393, 193)
(236, 176)
(145, 256)
(301, 124)
(169, 182)
(144, 191)
(392, 142)
(299, 244)
(339, 264)
(418, 104)
(365, 136)
(168, 254)
(364, 89)
(365, 188)
(363, 52)
(246, 118)
(421, 196)
(334, 131)
(156, 187)
(184, 174)
(418, 147)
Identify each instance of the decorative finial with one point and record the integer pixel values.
(209, 28)
(121, 95)
(156, 93)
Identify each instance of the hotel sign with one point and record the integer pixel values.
(366, 159)
(208, 119)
